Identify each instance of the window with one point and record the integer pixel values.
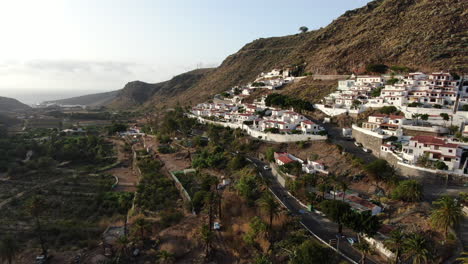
(450, 150)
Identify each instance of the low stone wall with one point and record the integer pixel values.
(280, 138)
(181, 188)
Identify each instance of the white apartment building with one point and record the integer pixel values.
(436, 149)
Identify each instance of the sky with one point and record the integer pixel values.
(53, 49)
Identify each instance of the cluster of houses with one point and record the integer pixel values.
(259, 117)
(352, 198)
(438, 89)
(272, 80)
(429, 142)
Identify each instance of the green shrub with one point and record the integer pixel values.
(408, 191)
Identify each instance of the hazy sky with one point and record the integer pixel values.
(59, 48)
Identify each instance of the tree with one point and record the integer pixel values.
(36, 207)
(416, 248)
(237, 162)
(122, 245)
(142, 225)
(344, 188)
(257, 228)
(165, 257)
(303, 29)
(311, 252)
(270, 154)
(446, 118)
(453, 129)
(206, 236)
(424, 117)
(365, 249)
(336, 210)
(270, 206)
(8, 249)
(247, 187)
(395, 243)
(262, 260)
(380, 170)
(388, 110)
(447, 214)
(377, 68)
(408, 191)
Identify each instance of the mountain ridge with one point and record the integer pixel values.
(8, 104)
(420, 34)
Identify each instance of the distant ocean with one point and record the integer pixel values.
(39, 97)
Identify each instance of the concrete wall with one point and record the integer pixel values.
(261, 135)
(368, 139)
(330, 111)
(330, 77)
(277, 174)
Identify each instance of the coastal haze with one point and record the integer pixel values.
(61, 49)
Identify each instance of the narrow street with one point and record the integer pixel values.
(319, 225)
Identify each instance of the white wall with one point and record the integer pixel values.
(264, 136)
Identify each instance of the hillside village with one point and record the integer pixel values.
(345, 144)
(425, 103)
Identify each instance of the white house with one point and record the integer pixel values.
(436, 149)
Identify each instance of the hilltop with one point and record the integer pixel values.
(12, 105)
(90, 100)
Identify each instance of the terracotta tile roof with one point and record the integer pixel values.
(308, 122)
(430, 140)
(285, 159)
(361, 201)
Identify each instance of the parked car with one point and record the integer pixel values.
(366, 150)
(351, 240)
(357, 144)
(266, 167)
(216, 226)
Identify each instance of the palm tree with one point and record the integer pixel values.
(36, 207)
(165, 257)
(395, 243)
(206, 235)
(447, 214)
(269, 204)
(122, 245)
(416, 248)
(344, 187)
(142, 225)
(8, 249)
(365, 249)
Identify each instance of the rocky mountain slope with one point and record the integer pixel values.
(138, 93)
(90, 99)
(12, 105)
(420, 34)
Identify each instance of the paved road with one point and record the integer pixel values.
(319, 225)
(335, 134)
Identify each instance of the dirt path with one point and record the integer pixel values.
(128, 179)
